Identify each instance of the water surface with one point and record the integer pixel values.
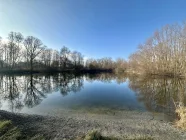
(101, 93)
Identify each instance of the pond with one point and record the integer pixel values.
(90, 93)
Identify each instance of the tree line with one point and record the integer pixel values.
(163, 53)
(29, 53)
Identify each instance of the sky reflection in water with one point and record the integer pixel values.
(37, 94)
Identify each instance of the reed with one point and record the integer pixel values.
(181, 112)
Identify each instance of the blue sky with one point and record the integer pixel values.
(97, 28)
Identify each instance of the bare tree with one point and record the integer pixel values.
(1, 53)
(163, 53)
(64, 54)
(120, 65)
(46, 57)
(14, 48)
(55, 59)
(33, 47)
(74, 57)
(77, 59)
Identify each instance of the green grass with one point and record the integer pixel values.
(4, 124)
(9, 132)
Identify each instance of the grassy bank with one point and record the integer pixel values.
(10, 132)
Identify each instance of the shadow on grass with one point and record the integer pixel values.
(95, 135)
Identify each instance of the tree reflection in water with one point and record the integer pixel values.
(157, 94)
(34, 91)
(10, 88)
(30, 90)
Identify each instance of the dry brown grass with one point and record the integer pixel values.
(181, 111)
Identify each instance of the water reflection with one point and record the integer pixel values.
(156, 94)
(107, 78)
(19, 91)
(35, 91)
(10, 88)
(159, 94)
(70, 83)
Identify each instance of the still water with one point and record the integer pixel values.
(43, 94)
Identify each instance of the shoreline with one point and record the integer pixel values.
(53, 71)
(130, 124)
(89, 71)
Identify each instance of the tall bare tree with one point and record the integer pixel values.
(55, 59)
(14, 40)
(64, 57)
(77, 59)
(1, 53)
(33, 47)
